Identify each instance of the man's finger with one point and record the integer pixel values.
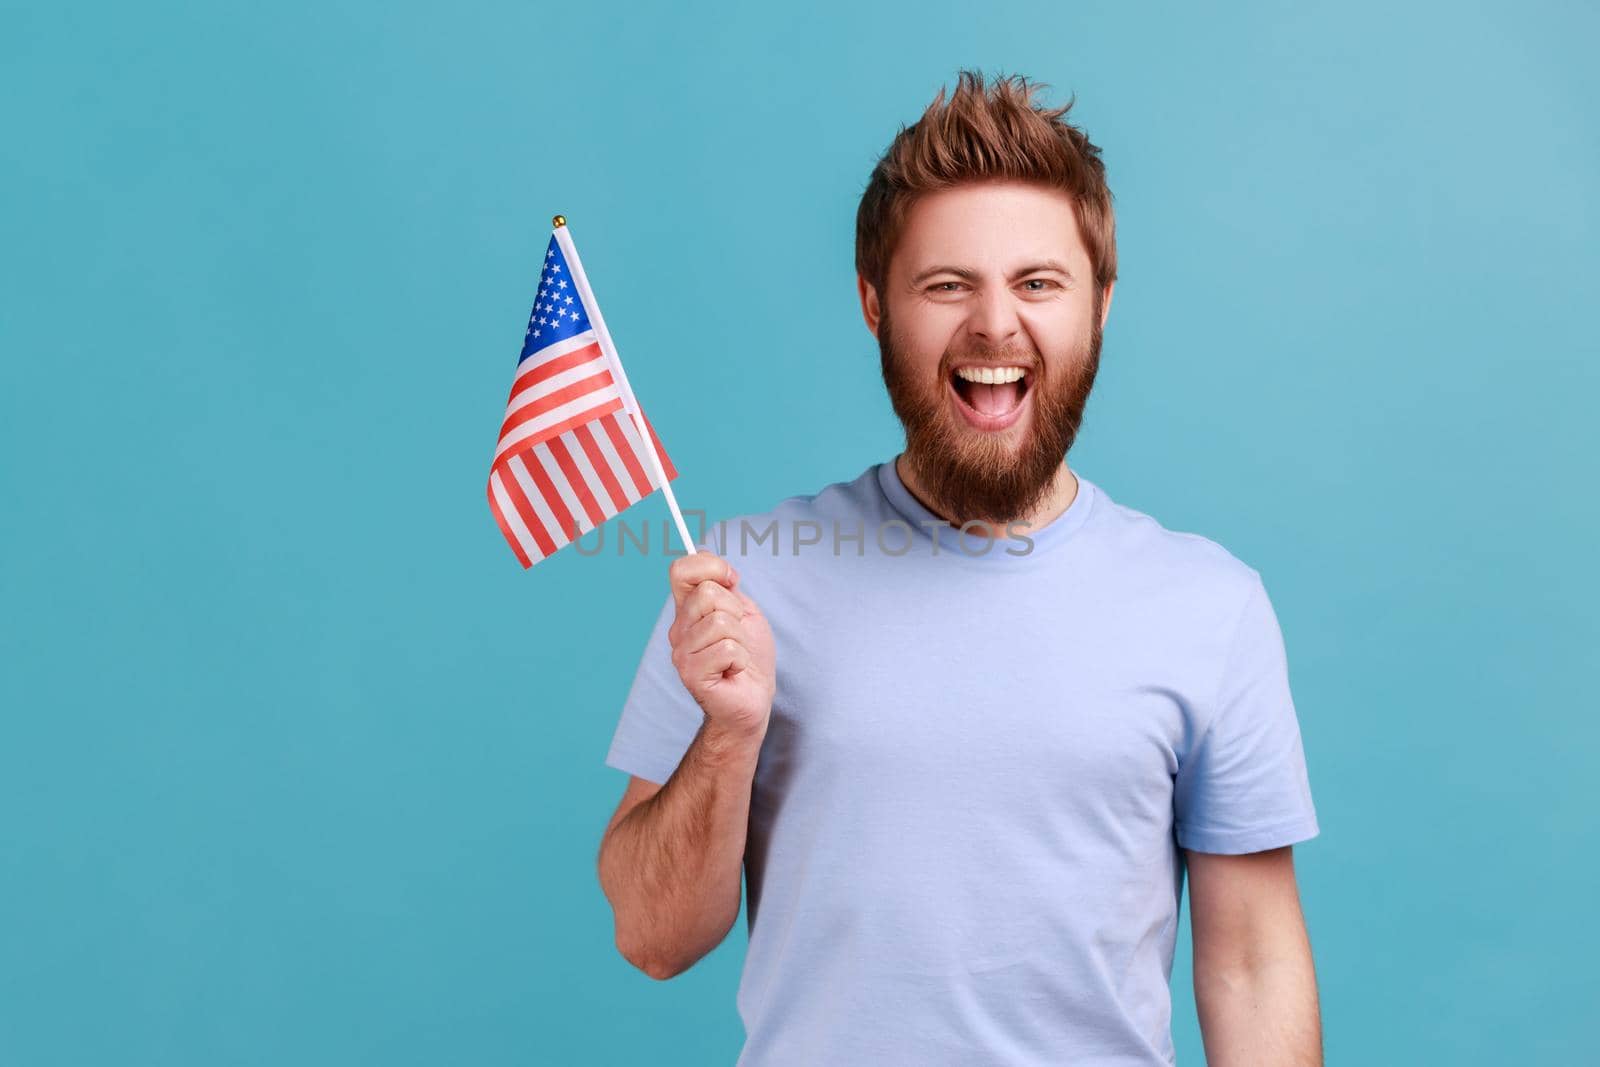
(718, 624)
(702, 600)
(687, 572)
(718, 658)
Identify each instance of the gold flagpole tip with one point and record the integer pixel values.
(559, 221)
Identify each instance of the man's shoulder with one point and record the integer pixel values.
(1166, 553)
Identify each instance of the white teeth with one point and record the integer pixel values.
(990, 375)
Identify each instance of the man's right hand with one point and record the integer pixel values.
(721, 644)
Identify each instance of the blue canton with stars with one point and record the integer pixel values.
(558, 313)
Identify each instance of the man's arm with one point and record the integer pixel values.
(1255, 986)
(672, 860)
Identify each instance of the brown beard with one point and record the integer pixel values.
(969, 474)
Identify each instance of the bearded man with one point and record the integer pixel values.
(964, 723)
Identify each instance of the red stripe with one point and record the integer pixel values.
(661, 453)
(624, 449)
(576, 481)
(552, 496)
(550, 401)
(530, 518)
(597, 459)
(552, 367)
(556, 430)
(505, 528)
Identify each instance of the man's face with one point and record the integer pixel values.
(989, 329)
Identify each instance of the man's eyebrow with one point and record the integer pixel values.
(968, 274)
(1044, 265)
(964, 273)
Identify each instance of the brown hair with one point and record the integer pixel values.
(986, 133)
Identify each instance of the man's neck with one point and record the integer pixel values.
(1062, 492)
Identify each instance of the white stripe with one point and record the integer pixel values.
(547, 518)
(640, 449)
(555, 416)
(557, 350)
(597, 488)
(513, 518)
(614, 461)
(552, 469)
(587, 369)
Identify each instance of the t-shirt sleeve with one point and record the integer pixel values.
(1243, 787)
(659, 718)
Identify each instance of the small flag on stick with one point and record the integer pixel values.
(575, 448)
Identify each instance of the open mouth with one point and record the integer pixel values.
(990, 398)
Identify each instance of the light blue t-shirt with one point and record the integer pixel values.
(966, 820)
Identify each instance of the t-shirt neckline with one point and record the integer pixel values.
(926, 524)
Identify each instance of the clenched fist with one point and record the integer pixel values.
(721, 644)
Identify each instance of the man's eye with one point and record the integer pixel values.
(1039, 285)
(946, 287)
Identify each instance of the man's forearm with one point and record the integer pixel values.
(1260, 1013)
(672, 866)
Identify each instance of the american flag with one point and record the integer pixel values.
(570, 454)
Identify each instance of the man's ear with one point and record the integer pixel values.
(870, 309)
(1105, 305)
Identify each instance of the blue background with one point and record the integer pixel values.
(299, 766)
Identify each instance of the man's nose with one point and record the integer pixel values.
(994, 316)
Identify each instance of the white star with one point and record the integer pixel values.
(556, 269)
(536, 333)
(550, 253)
(562, 284)
(574, 315)
(569, 299)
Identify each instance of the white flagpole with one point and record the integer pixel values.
(629, 403)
